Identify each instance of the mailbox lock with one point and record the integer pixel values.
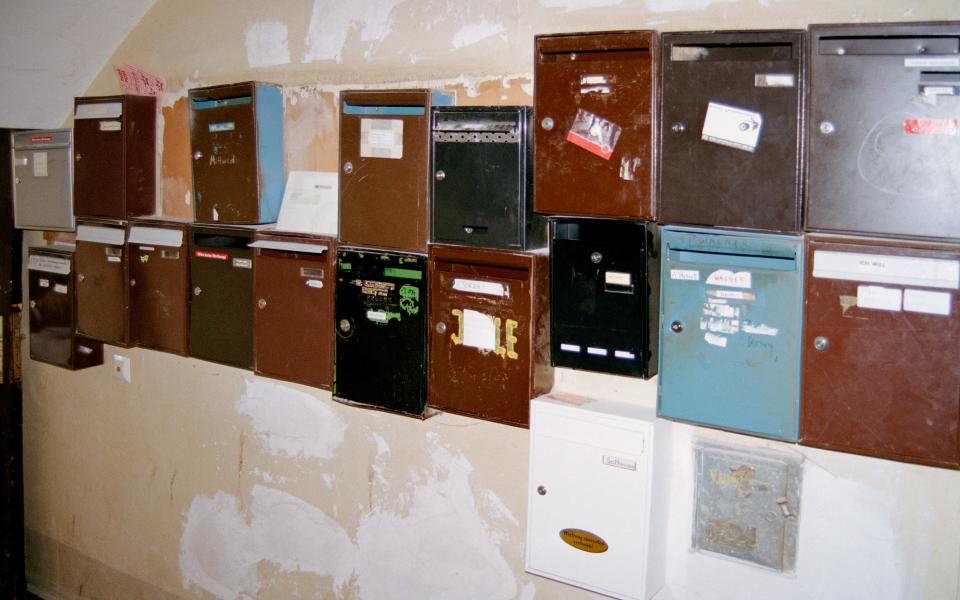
(596, 257)
(133, 282)
(77, 157)
(547, 123)
(197, 155)
(820, 343)
(344, 325)
(348, 167)
(441, 327)
(676, 326)
(678, 128)
(197, 291)
(261, 303)
(439, 175)
(826, 127)
(19, 180)
(541, 490)
(33, 304)
(81, 277)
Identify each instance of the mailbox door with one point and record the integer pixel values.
(731, 115)
(603, 296)
(884, 120)
(881, 358)
(384, 168)
(594, 104)
(43, 189)
(98, 177)
(102, 292)
(221, 304)
(159, 288)
(51, 307)
(293, 318)
(381, 330)
(730, 332)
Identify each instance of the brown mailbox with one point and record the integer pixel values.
(103, 289)
(595, 124)
(489, 336)
(881, 365)
(114, 156)
(730, 128)
(293, 283)
(384, 167)
(53, 312)
(159, 284)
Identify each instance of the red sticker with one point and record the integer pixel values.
(208, 254)
(931, 126)
(42, 138)
(594, 134)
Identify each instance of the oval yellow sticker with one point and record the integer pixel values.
(584, 540)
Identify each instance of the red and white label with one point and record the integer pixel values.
(41, 138)
(931, 126)
(209, 254)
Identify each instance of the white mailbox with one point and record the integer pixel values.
(597, 511)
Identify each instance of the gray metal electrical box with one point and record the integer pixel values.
(43, 179)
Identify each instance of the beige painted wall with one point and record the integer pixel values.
(198, 480)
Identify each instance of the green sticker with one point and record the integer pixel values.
(144, 258)
(345, 266)
(403, 273)
(410, 299)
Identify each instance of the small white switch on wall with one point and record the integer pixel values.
(121, 367)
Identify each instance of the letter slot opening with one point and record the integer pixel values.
(755, 261)
(731, 52)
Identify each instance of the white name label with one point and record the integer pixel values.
(731, 126)
(684, 275)
(879, 268)
(923, 301)
(879, 297)
(490, 288)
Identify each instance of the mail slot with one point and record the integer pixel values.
(236, 137)
(103, 288)
(884, 123)
(881, 358)
(604, 295)
(381, 322)
(489, 349)
(481, 178)
(53, 312)
(221, 301)
(114, 156)
(730, 129)
(594, 99)
(159, 284)
(43, 179)
(730, 330)
(385, 167)
(293, 315)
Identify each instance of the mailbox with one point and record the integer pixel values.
(594, 99)
(598, 495)
(43, 179)
(730, 129)
(481, 178)
(103, 288)
(236, 136)
(53, 312)
(385, 167)
(159, 284)
(730, 330)
(381, 322)
(293, 282)
(114, 156)
(489, 349)
(881, 350)
(604, 295)
(884, 122)
(221, 304)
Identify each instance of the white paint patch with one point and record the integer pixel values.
(529, 592)
(475, 32)
(680, 5)
(291, 422)
(383, 449)
(332, 21)
(442, 529)
(266, 43)
(569, 5)
(527, 88)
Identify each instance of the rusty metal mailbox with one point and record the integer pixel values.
(381, 323)
(730, 128)
(385, 167)
(594, 132)
(221, 301)
(293, 281)
(489, 318)
(43, 179)
(881, 355)
(103, 289)
(884, 123)
(114, 156)
(236, 137)
(53, 311)
(159, 284)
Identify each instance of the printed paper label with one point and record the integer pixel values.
(113, 259)
(732, 295)
(381, 138)
(878, 268)
(134, 80)
(314, 283)
(684, 275)
(594, 134)
(931, 303)
(243, 263)
(596, 351)
(774, 80)
(759, 328)
(49, 264)
(624, 355)
(490, 288)
(224, 126)
(377, 316)
(931, 126)
(725, 277)
(44, 283)
(39, 164)
(615, 278)
(212, 255)
(879, 297)
(110, 125)
(731, 126)
(570, 347)
(100, 110)
(619, 462)
(60, 288)
(931, 61)
(479, 330)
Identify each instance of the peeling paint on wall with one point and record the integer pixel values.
(681, 5)
(291, 422)
(332, 22)
(569, 5)
(266, 43)
(475, 32)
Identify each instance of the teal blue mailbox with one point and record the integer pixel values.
(730, 330)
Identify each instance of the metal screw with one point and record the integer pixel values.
(81, 277)
(197, 291)
(344, 325)
(77, 157)
(439, 175)
(441, 327)
(33, 304)
(820, 343)
(197, 155)
(348, 167)
(841, 51)
(596, 257)
(547, 123)
(678, 128)
(261, 303)
(468, 229)
(541, 490)
(826, 128)
(133, 282)
(676, 326)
